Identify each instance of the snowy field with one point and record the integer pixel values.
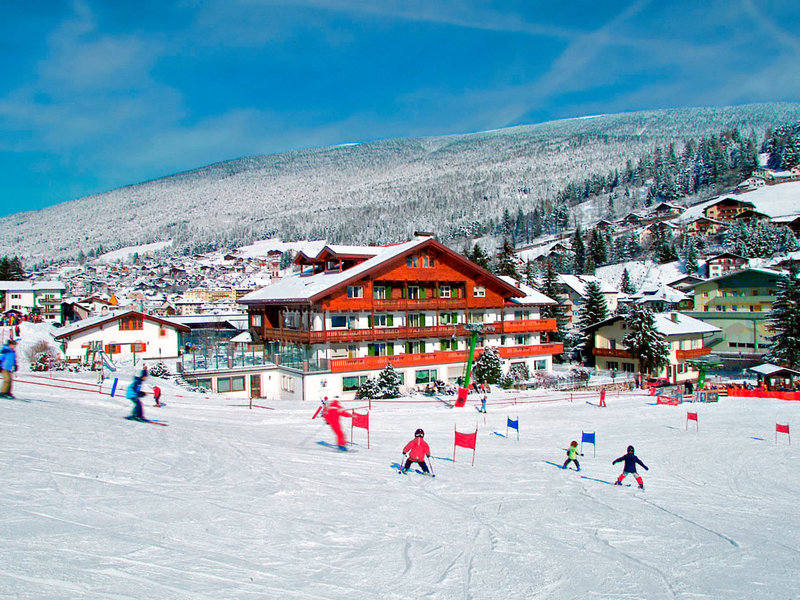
(229, 502)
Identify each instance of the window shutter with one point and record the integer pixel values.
(423, 293)
(389, 320)
(443, 345)
(404, 292)
(423, 347)
(422, 321)
(370, 322)
(371, 349)
(390, 349)
(388, 292)
(408, 347)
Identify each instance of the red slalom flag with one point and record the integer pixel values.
(692, 416)
(361, 421)
(465, 440)
(782, 429)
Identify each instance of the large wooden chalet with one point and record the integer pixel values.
(350, 311)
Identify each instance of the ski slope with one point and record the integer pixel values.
(237, 503)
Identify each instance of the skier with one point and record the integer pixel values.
(483, 404)
(333, 412)
(8, 364)
(630, 467)
(572, 453)
(417, 450)
(157, 396)
(134, 393)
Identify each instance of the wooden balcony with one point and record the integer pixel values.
(692, 353)
(344, 336)
(612, 352)
(374, 363)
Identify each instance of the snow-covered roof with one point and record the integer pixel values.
(663, 293)
(675, 323)
(242, 338)
(740, 272)
(298, 287)
(235, 320)
(578, 283)
(32, 286)
(532, 296)
(770, 369)
(773, 200)
(786, 218)
(92, 322)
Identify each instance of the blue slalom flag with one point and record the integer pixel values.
(513, 425)
(588, 437)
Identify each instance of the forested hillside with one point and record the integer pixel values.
(383, 191)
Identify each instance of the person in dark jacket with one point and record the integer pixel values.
(8, 364)
(134, 394)
(631, 460)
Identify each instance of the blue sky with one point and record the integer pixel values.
(96, 95)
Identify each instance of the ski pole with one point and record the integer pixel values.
(431, 465)
(403, 463)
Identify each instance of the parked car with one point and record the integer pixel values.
(657, 382)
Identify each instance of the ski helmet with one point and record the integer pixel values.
(574, 443)
(630, 449)
(419, 433)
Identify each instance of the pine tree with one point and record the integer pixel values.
(479, 257)
(389, 382)
(644, 341)
(626, 285)
(507, 261)
(489, 367)
(784, 320)
(593, 310)
(691, 260)
(578, 247)
(370, 389)
(598, 249)
(549, 288)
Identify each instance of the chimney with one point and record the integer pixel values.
(673, 317)
(423, 234)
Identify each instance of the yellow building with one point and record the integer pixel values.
(738, 303)
(684, 335)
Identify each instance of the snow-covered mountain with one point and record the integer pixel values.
(373, 192)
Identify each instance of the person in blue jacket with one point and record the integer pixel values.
(134, 394)
(631, 460)
(8, 364)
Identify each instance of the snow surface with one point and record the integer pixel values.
(124, 254)
(773, 200)
(643, 274)
(231, 502)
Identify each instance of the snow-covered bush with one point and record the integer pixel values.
(489, 367)
(159, 370)
(42, 356)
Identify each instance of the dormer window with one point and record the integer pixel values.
(131, 323)
(355, 291)
(479, 291)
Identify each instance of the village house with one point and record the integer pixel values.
(35, 298)
(705, 226)
(667, 210)
(684, 335)
(727, 208)
(738, 303)
(727, 262)
(572, 292)
(352, 310)
(125, 334)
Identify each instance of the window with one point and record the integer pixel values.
(355, 291)
(475, 317)
(448, 318)
(353, 382)
(627, 367)
(138, 347)
(412, 260)
(448, 344)
(342, 321)
(425, 376)
(413, 292)
(427, 261)
(479, 291)
(612, 344)
(379, 292)
(444, 291)
(255, 320)
(113, 348)
(287, 383)
(540, 365)
(381, 320)
(291, 320)
(230, 384)
(415, 348)
(203, 383)
(416, 320)
(613, 365)
(131, 323)
(522, 315)
(380, 349)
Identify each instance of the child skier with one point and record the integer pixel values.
(333, 412)
(631, 461)
(483, 405)
(572, 453)
(417, 450)
(134, 393)
(157, 396)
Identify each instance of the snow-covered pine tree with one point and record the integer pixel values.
(389, 382)
(370, 389)
(549, 287)
(644, 341)
(479, 257)
(626, 285)
(593, 310)
(507, 261)
(691, 259)
(489, 367)
(579, 250)
(784, 320)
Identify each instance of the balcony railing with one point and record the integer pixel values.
(342, 336)
(692, 353)
(613, 352)
(374, 363)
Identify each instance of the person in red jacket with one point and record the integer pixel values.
(333, 413)
(417, 450)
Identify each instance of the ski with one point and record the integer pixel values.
(335, 447)
(142, 420)
(419, 471)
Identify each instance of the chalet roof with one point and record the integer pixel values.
(668, 324)
(772, 370)
(578, 283)
(32, 286)
(724, 255)
(786, 219)
(731, 199)
(742, 273)
(298, 287)
(93, 322)
(229, 320)
(705, 218)
(532, 296)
